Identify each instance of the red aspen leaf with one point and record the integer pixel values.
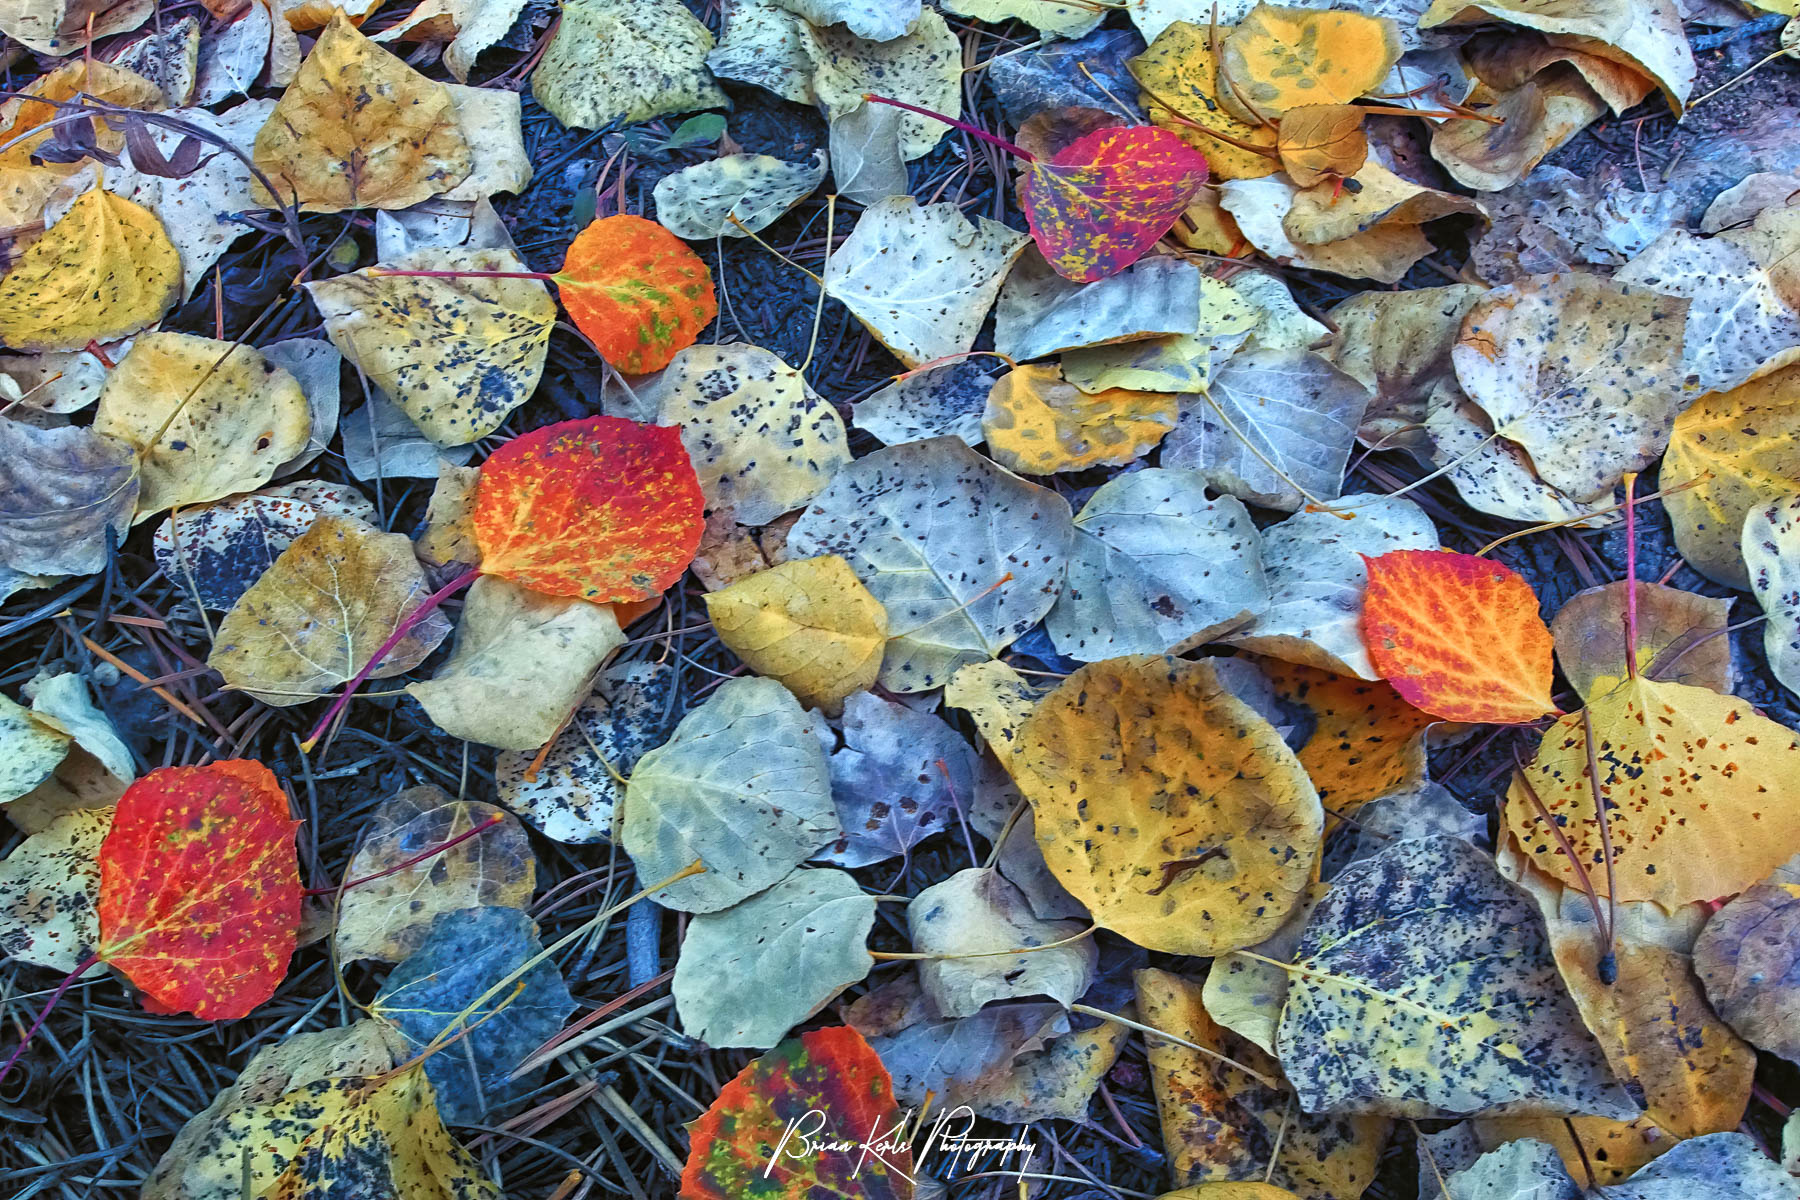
(1102, 201)
(830, 1071)
(200, 888)
(600, 508)
(1458, 636)
(637, 291)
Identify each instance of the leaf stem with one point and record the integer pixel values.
(1631, 619)
(547, 276)
(68, 981)
(415, 860)
(430, 605)
(1017, 152)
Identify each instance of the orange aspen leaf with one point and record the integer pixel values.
(637, 291)
(1458, 636)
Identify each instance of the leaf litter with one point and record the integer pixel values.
(712, 674)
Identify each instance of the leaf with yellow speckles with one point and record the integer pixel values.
(458, 354)
(1167, 806)
(1282, 58)
(1702, 794)
(200, 888)
(637, 291)
(738, 1148)
(105, 270)
(600, 509)
(1423, 986)
(1037, 423)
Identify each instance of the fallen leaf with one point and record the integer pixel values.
(207, 418)
(449, 537)
(316, 617)
(1041, 313)
(742, 786)
(867, 165)
(1282, 58)
(922, 68)
(1397, 344)
(1424, 986)
(1100, 203)
(1679, 638)
(1039, 424)
(766, 45)
(472, 26)
(1722, 1166)
(205, 1162)
(1274, 429)
(1179, 76)
(1050, 17)
(963, 1062)
(900, 777)
(1212, 824)
(1610, 1150)
(1057, 1082)
(1647, 1012)
(599, 508)
(748, 974)
(65, 26)
(62, 702)
(1245, 994)
(1322, 142)
(762, 441)
(1746, 958)
(738, 1144)
(381, 442)
(105, 270)
(921, 278)
(358, 128)
(1772, 554)
(444, 989)
(810, 624)
(49, 892)
(33, 749)
(66, 498)
(941, 401)
(1698, 787)
(1458, 636)
(734, 195)
(1156, 567)
(371, 1137)
(875, 20)
(1580, 371)
(27, 114)
(636, 291)
(574, 794)
(522, 663)
(389, 916)
(1525, 125)
(1184, 362)
(55, 381)
(216, 552)
(978, 913)
(964, 556)
(1730, 453)
(1222, 1126)
(1317, 579)
(1494, 475)
(1366, 741)
(200, 888)
(457, 354)
(625, 61)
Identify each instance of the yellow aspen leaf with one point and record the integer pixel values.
(1702, 794)
(358, 128)
(1221, 1126)
(207, 418)
(1366, 740)
(97, 80)
(1037, 423)
(1322, 141)
(1179, 76)
(1611, 1150)
(107, 269)
(1281, 58)
(809, 624)
(1167, 806)
(1728, 453)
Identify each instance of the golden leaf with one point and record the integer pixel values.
(1282, 58)
(105, 270)
(1180, 78)
(1037, 423)
(810, 624)
(1322, 141)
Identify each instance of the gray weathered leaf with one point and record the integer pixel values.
(923, 67)
(750, 973)
(381, 442)
(734, 195)
(766, 45)
(1719, 1166)
(1275, 427)
(1523, 1170)
(866, 162)
(742, 786)
(876, 20)
(941, 401)
(977, 912)
(898, 780)
(1748, 958)
(1042, 313)
(964, 556)
(1156, 566)
(64, 495)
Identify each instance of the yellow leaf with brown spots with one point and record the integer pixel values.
(1167, 806)
(102, 81)
(1366, 740)
(1283, 58)
(1179, 76)
(105, 270)
(1702, 794)
(358, 128)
